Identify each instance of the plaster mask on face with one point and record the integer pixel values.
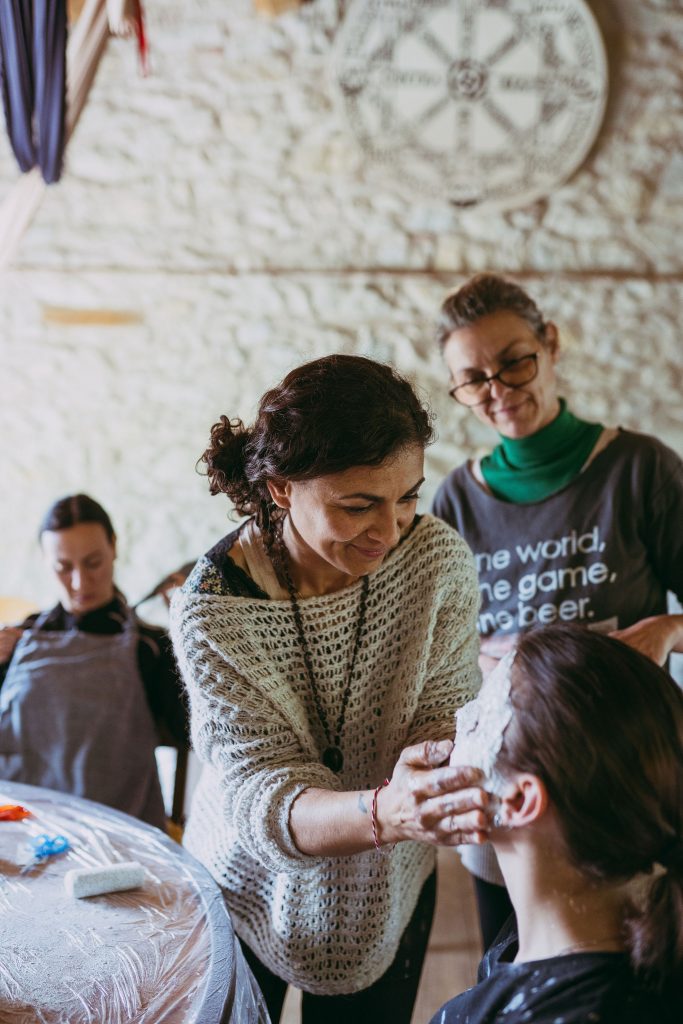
(481, 724)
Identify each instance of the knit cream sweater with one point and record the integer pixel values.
(327, 925)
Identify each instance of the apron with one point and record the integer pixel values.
(74, 717)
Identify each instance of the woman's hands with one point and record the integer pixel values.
(430, 802)
(656, 637)
(426, 800)
(9, 637)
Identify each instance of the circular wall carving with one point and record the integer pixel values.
(482, 102)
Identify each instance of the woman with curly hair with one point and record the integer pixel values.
(325, 645)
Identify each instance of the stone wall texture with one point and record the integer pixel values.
(220, 213)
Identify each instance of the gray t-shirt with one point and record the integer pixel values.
(603, 551)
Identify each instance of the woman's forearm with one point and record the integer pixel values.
(678, 633)
(425, 801)
(324, 823)
(657, 637)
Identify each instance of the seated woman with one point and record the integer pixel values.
(87, 690)
(581, 740)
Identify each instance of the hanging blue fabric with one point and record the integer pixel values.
(16, 61)
(33, 63)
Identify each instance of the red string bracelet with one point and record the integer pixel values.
(373, 816)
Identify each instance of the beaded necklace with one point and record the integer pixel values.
(332, 755)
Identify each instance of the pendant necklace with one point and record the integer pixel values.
(332, 756)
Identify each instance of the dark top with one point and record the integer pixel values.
(225, 575)
(216, 572)
(578, 988)
(156, 662)
(603, 551)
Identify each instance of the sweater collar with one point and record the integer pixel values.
(546, 444)
(528, 469)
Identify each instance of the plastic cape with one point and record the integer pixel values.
(162, 954)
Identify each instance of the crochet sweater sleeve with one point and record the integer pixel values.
(241, 730)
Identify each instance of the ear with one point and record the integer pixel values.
(551, 340)
(280, 492)
(113, 544)
(524, 801)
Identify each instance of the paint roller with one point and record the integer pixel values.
(82, 882)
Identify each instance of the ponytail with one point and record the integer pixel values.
(654, 930)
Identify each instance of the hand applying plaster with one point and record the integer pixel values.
(480, 727)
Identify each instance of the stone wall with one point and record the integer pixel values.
(216, 225)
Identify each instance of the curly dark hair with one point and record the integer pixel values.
(324, 417)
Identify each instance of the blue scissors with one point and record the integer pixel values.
(43, 847)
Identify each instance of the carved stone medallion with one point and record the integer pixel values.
(482, 102)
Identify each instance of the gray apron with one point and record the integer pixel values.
(74, 717)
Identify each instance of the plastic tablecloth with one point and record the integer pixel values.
(162, 954)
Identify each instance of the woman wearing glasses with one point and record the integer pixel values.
(570, 521)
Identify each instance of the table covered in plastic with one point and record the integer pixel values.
(161, 954)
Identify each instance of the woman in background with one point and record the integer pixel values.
(87, 690)
(569, 521)
(325, 645)
(581, 738)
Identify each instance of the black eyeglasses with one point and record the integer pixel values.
(514, 374)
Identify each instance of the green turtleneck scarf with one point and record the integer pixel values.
(527, 469)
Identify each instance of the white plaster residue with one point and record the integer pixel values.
(480, 725)
(516, 1003)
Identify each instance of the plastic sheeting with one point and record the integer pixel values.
(162, 954)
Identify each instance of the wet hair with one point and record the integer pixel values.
(326, 416)
(602, 726)
(481, 296)
(75, 509)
